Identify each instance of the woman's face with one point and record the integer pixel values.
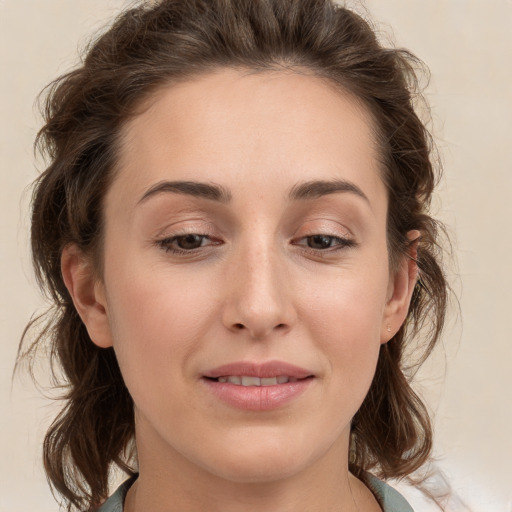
(246, 287)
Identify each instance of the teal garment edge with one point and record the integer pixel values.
(390, 500)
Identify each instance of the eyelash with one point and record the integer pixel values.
(166, 244)
(341, 243)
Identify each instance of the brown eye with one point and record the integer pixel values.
(320, 241)
(189, 242)
(327, 244)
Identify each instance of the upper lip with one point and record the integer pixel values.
(263, 370)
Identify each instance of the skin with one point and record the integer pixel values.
(257, 289)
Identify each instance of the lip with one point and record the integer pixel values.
(258, 398)
(263, 370)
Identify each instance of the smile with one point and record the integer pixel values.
(258, 386)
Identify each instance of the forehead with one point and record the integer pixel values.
(233, 126)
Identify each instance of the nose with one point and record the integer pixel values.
(259, 301)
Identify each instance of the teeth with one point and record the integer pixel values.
(251, 381)
(246, 380)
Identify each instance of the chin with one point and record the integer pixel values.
(263, 458)
(259, 471)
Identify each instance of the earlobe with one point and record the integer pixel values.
(401, 289)
(88, 294)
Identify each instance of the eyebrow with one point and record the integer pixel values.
(301, 191)
(192, 188)
(319, 188)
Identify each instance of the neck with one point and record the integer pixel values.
(170, 482)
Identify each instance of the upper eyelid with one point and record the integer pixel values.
(346, 234)
(198, 228)
(326, 226)
(204, 220)
(323, 221)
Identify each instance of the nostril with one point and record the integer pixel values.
(239, 326)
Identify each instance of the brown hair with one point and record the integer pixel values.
(171, 40)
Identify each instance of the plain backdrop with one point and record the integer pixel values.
(468, 46)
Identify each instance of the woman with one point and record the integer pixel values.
(234, 228)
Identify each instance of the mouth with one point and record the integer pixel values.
(268, 373)
(258, 386)
(251, 380)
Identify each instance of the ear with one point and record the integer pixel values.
(401, 287)
(88, 294)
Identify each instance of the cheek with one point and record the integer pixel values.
(157, 301)
(345, 319)
(351, 306)
(157, 324)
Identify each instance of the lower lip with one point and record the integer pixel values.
(258, 398)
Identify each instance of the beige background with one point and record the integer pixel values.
(468, 46)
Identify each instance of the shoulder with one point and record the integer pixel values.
(389, 499)
(116, 501)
